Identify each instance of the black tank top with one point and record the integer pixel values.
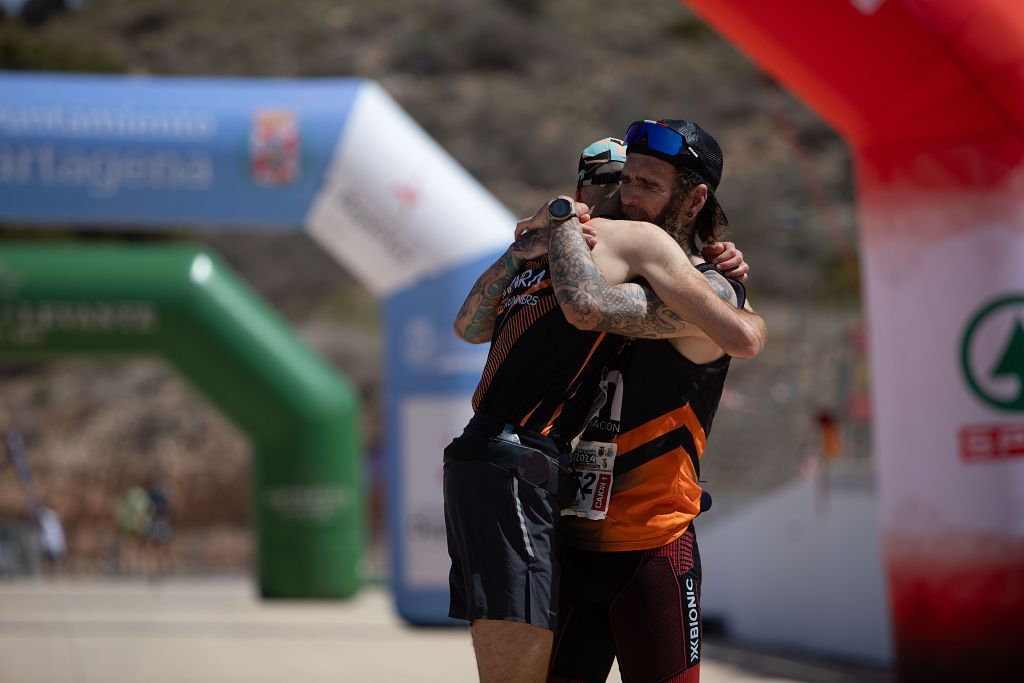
(658, 385)
(658, 411)
(542, 373)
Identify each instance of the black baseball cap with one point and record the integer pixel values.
(685, 145)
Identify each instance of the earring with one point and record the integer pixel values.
(689, 214)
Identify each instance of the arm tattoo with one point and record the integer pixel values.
(660, 322)
(721, 286)
(591, 303)
(475, 320)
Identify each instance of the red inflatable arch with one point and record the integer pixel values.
(930, 96)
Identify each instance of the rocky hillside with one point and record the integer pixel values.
(513, 89)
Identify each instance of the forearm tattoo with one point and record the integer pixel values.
(475, 320)
(660, 321)
(587, 298)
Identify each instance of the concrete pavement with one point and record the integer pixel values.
(215, 629)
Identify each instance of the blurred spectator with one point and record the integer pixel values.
(144, 525)
(159, 530)
(51, 534)
(133, 512)
(828, 428)
(158, 535)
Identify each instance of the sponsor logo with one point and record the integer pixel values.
(274, 147)
(525, 280)
(104, 171)
(427, 524)
(311, 503)
(868, 7)
(982, 443)
(31, 321)
(992, 353)
(693, 618)
(992, 358)
(366, 215)
(605, 425)
(109, 123)
(420, 342)
(601, 493)
(406, 194)
(520, 300)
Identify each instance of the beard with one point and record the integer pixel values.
(670, 219)
(635, 213)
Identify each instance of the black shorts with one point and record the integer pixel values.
(501, 538)
(642, 607)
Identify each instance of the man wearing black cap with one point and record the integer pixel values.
(631, 570)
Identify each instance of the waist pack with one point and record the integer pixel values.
(529, 464)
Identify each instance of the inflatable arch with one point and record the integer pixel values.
(335, 158)
(184, 306)
(930, 96)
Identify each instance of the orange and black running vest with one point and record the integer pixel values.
(658, 411)
(542, 373)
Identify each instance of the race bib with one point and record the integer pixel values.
(594, 462)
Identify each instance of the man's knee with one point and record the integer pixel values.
(511, 652)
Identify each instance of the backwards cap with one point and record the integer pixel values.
(601, 163)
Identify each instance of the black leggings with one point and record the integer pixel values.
(640, 606)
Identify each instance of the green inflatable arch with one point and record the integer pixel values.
(184, 305)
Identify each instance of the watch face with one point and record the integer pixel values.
(560, 209)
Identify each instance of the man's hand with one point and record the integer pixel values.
(728, 259)
(589, 233)
(530, 242)
(531, 236)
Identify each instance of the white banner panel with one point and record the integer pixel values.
(944, 261)
(395, 207)
(429, 423)
(948, 369)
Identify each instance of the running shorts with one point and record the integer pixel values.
(642, 607)
(501, 524)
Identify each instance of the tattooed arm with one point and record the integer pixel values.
(475, 319)
(685, 304)
(590, 303)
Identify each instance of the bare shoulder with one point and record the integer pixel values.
(627, 237)
(723, 288)
(614, 226)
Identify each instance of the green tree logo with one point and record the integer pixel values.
(992, 353)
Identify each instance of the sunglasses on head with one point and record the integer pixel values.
(659, 138)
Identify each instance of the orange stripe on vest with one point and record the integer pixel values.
(659, 426)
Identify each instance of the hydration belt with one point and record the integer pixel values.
(481, 443)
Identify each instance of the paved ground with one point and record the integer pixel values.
(199, 630)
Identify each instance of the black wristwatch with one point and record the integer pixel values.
(561, 209)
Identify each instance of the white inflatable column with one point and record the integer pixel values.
(943, 248)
